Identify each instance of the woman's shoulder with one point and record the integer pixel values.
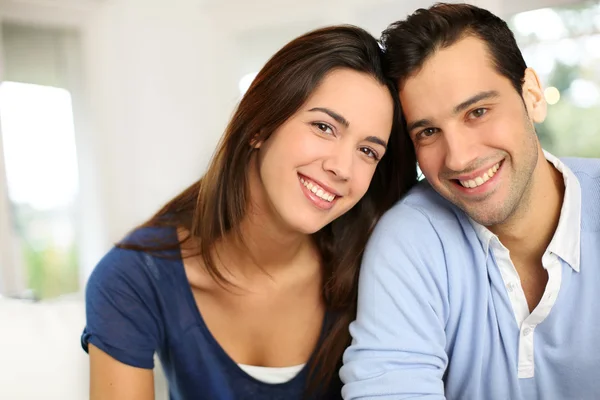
(143, 257)
(127, 297)
(151, 237)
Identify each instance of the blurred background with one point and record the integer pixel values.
(108, 108)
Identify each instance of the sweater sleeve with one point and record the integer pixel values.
(398, 346)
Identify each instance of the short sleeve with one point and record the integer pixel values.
(123, 317)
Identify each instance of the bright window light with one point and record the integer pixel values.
(41, 170)
(39, 145)
(552, 95)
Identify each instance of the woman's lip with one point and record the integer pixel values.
(325, 187)
(316, 200)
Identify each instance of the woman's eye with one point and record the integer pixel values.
(370, 153)
(323, 128)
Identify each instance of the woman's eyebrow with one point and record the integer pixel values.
(376, 140)
(339, 118)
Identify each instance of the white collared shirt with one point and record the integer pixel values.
(565, 245)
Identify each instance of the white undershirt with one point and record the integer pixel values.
(270, 374)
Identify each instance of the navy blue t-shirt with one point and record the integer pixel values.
(138, 304)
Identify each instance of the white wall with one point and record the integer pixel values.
(10, 280)
(154, 73)
(161, 81)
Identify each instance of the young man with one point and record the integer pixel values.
(483, 282)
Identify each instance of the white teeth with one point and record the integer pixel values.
(318, 191)
(480, 180)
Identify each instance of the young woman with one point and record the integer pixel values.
(245, 283)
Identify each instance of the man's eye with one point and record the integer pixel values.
(479, 112)
(425, 133)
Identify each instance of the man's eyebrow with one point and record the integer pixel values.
(340, 119)
(376, 140)
(474, 99)
(422, 123)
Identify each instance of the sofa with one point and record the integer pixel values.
(40, 353)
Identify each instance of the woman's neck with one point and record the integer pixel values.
(265, 244)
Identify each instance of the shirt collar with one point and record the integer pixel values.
(566, 240)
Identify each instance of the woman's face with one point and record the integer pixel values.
(320, 162)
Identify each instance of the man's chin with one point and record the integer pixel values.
(485, 217)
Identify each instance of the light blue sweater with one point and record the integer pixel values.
(436, 319)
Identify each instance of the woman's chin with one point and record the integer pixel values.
(307, 227)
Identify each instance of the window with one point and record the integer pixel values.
(41, 173)
(563, 46)
(40, 88)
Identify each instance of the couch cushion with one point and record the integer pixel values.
(40, 354)
(40, 351)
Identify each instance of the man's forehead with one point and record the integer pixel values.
(450, 77)
(467, 54)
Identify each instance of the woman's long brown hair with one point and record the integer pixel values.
(216, 204)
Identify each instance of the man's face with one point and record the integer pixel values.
(473, 133)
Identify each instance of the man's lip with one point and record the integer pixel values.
(327, 188)
(481, 189)
(477, 173)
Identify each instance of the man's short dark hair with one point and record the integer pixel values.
(409, 43)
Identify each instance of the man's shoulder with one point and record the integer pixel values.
(587, 167)
(425, 200)
(424, 230)
(421, 211)
(587, 171)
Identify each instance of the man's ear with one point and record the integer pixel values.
(533, 96)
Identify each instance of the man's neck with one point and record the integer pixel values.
(530, 229)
